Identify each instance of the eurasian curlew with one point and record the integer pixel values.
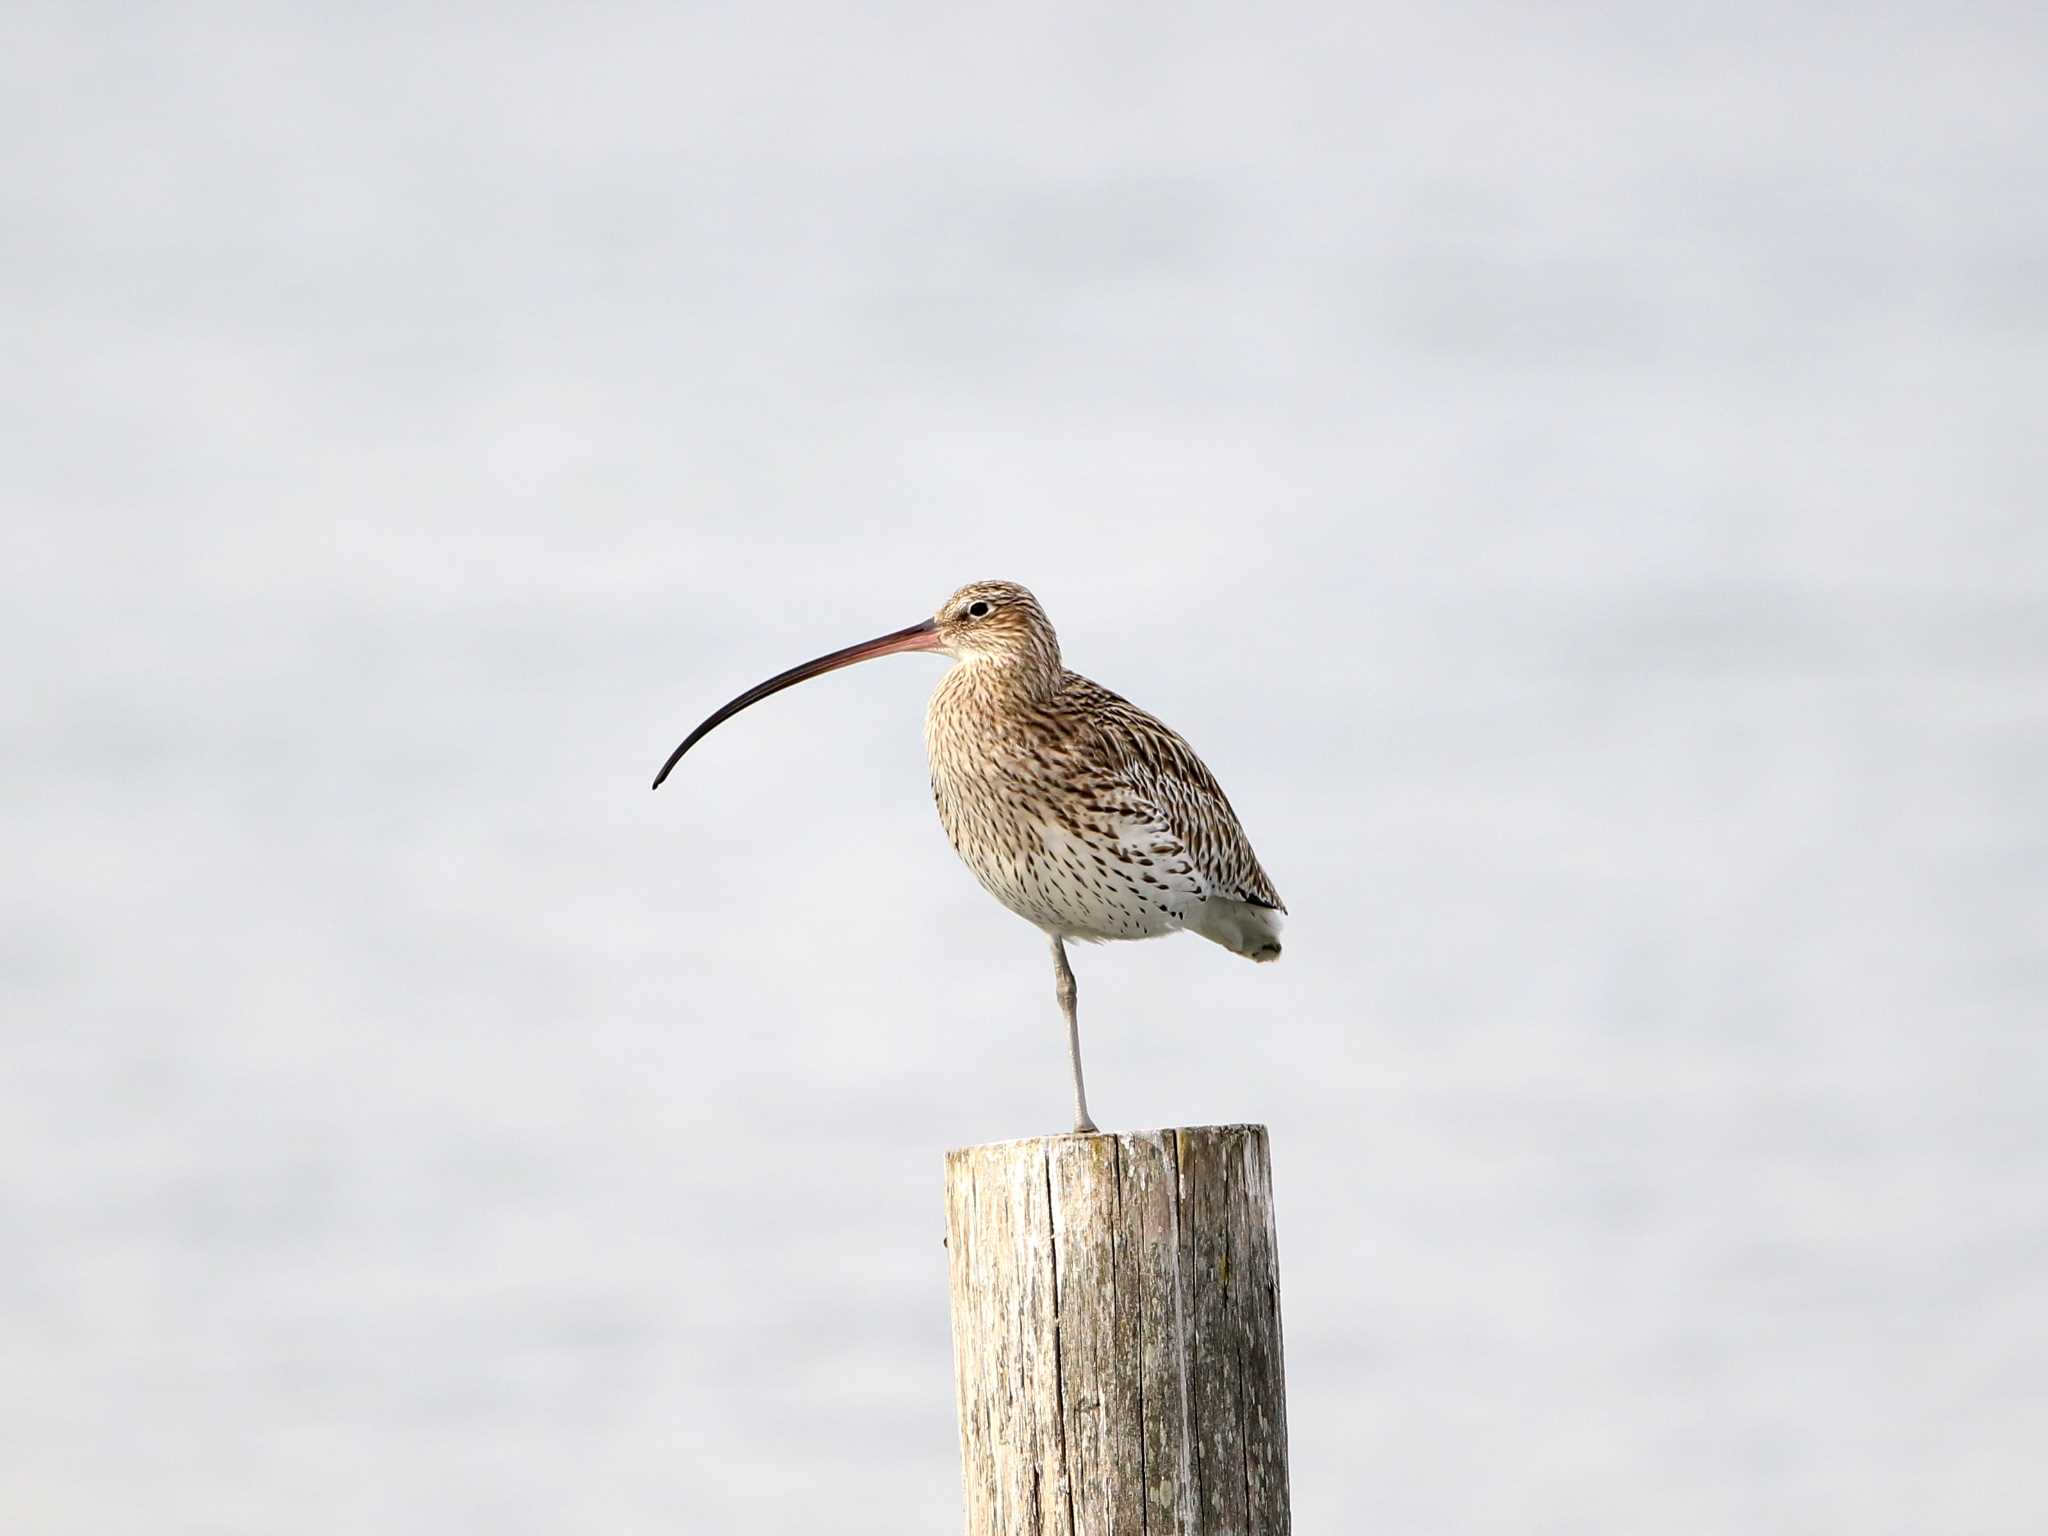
(1074, 808)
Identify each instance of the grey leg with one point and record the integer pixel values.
(1065, 974)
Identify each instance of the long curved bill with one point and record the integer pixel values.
(919, 637)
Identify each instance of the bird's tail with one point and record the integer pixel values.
(1242, 927)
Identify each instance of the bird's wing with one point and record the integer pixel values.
(1175, 811)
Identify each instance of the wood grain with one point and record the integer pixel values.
(1116, 1335)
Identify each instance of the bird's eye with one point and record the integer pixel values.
(979, 610)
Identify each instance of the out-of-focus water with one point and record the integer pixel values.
(1576, 477)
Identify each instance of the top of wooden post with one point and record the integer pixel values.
(1236, 1128)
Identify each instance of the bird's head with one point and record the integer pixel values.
(986, 623)
(997, 622)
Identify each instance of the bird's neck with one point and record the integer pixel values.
(1005, 679)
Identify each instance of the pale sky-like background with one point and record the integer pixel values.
(1576, 474)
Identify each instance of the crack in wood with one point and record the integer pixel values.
(1059, 1370)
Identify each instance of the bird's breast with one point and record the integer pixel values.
(1038, 829)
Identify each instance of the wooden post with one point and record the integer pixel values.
(1116, 1335)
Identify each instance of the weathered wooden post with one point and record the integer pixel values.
(1116, 1335)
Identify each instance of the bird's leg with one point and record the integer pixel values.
(1065, 975)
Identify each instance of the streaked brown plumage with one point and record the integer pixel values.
(1075, 809)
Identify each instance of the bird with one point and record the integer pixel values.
(1074, 808)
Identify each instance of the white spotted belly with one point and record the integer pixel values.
(1067, 883)
(1070, 886)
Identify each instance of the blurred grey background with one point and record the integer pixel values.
(1574, 473)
